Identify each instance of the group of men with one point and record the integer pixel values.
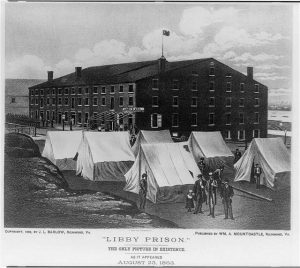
(205, 191)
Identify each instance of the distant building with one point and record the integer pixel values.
(16, 95)
(183, 96)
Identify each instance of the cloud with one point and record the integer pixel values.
(270, 76)
(258, 57)
(195, 19)
(28, 66)
(280, 91)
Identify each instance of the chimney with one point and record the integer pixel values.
(78, 72)
(50, 76)
(250, 72)
(162, 64)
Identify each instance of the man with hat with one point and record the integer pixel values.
(143, 190)
(237, 155)
(226, 195)
(189, 201)
(211, 189)
(199, 192)
(257, 172)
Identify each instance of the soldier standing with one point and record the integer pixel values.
(211, 189)
(143, 190)
(199, 192)
(226, 195)
(257, 172)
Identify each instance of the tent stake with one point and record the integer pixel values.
(256, 195)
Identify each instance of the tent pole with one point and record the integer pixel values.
(256, 195)
(140, 162)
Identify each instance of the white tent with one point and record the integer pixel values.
(104, 156)
(212, 147)
(171, 172)
(273, 158)
(152, 137)
(61, 147)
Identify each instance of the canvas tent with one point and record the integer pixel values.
(61, 147)
(212, 147)
(104, 156)
(171, 172)
(273, 158)
(151, 137)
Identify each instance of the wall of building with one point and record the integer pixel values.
(17, 104)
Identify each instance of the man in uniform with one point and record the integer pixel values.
(199, 192)
(257, 172)
(237, 155)
(211, 189)
(226, 195)
(143, 190)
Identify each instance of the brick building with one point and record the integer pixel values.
(183, 96)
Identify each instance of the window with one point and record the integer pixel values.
(32, 101)
(86, 117)
(256, 88)
(211, 102)
(79, 117)
(48, 101)
(154, 101)
(212, 71)
(53, 101)
(95, 115)
(256, 120)
(53, 115)
(256, 133)
(95, 90)
(66, 116)
(175, 101)
(48, 115)
(32, 91)
(228, 87)
(130, 89)
(79, 101)
(103, 101)
(103, 90)
(42, 102)
(241, 135)
(59, 91)
(242, 102)
(86, 90)
(242, 87)
(194, 102)
(112, 103)
(211, 86)
(95, 101)
(228, 118)
(154, 83)
(73, 91)
(194, 119)
(121, 89)
(86, 101)
(211, 119)
(42, 91)
(13, 100)
(66, 101)
(156, 120)
(79, 92)
(227, 134)
(256, 102)
(130, 120)
(112, 89)
(130, 101)
(53, 91)
(241, 118)
(228, 102)
(36, 101)
(66, 91)
(36, 114)
(121, 101)
(175, 84)
(175, 120)
(194, 85)
(36, 92)
(59, 101)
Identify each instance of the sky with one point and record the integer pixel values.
(59, 36)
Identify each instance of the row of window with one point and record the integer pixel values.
(194, 101)
(241, 134)
(82, 101)
(194, 86)
(86, 90)
(211, 119)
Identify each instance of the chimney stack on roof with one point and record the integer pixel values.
(50, 76)
(250, 72)
(78, 72)
(162, 64)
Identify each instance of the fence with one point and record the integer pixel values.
(17, 128)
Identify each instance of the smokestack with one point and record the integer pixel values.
(78, 72)
(250, 72)
(162, 64)
(50, 76)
